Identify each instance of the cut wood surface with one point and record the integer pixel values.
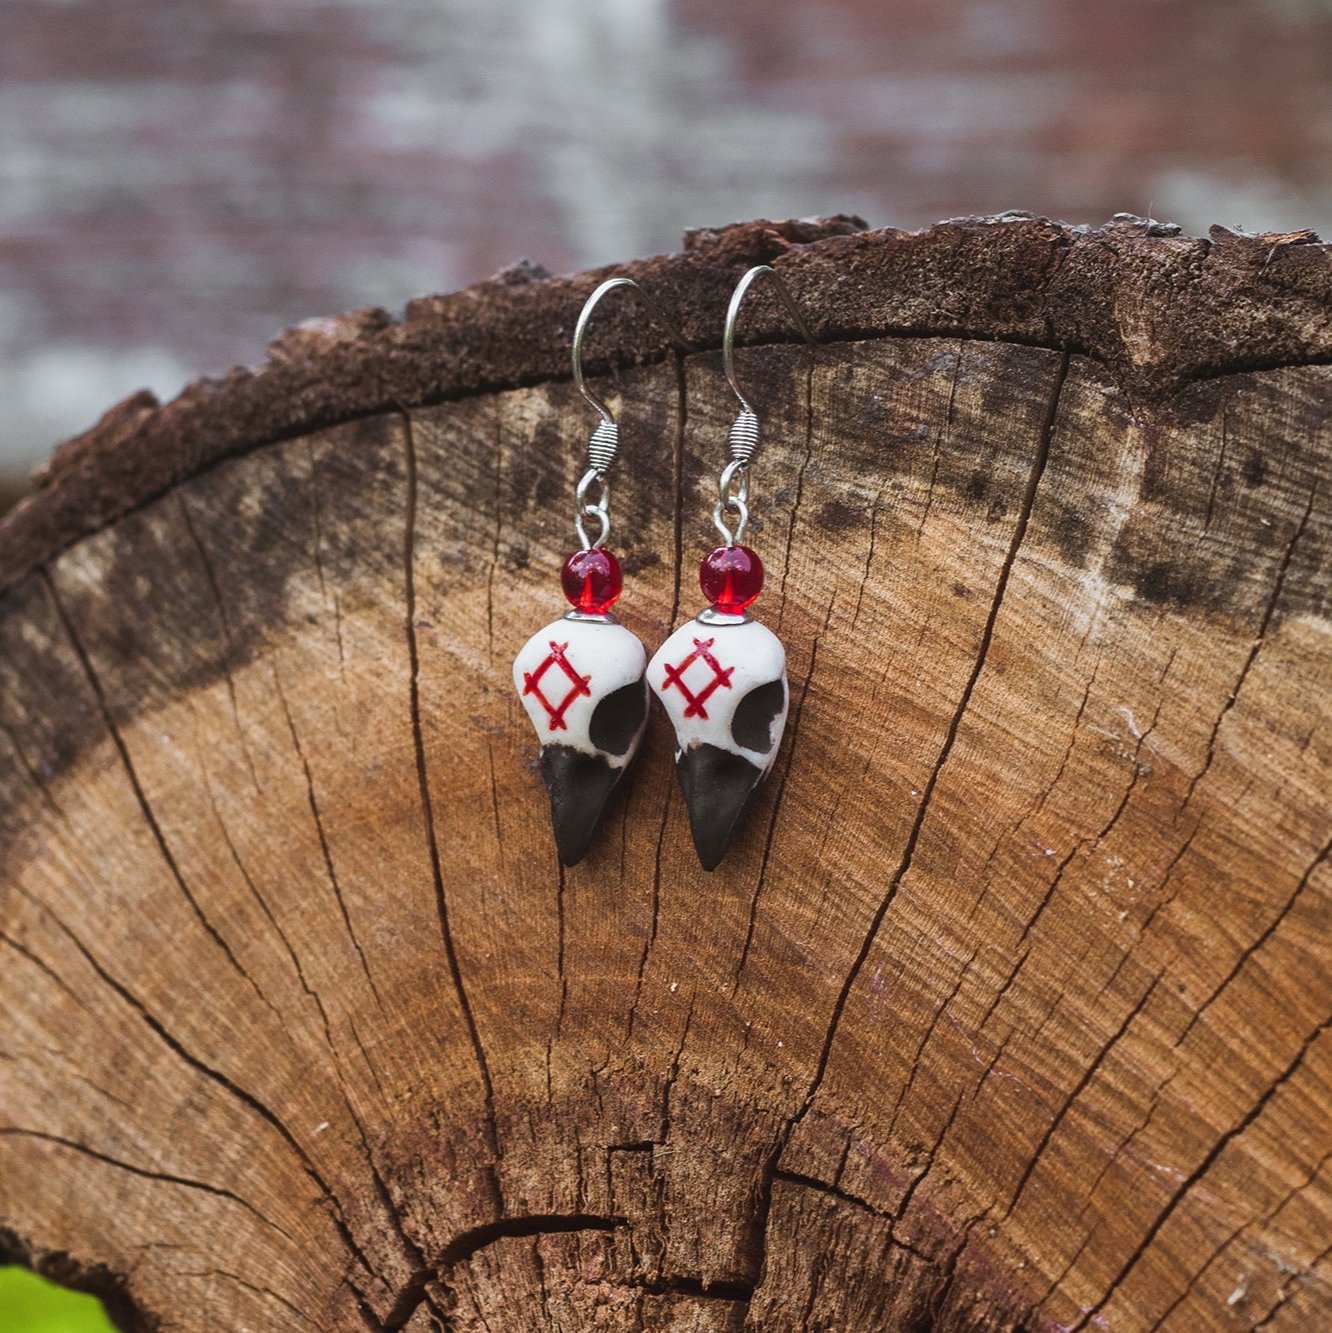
(1010, 1008)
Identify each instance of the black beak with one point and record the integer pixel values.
(579, 786)
(718, 787)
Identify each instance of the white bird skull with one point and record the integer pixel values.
(581, 681)
(722, 681)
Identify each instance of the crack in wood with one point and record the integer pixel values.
(1162, 1088)
(1091, 845)
(215, 592)
(379, 1184)
(677, 477)
(332, 1046)
(799, 489)
(1292, 1288)
(559, 957)
(1186, 1186)
(870, 550)
(1033, 480)
(904, 1092)
(1088, 1074)
(1035, 472)
(247, 1099)
(1187, 1290)
(339, 1220)
(838, 1195)
(1037, 808)
(465, 1246)
(1268, 611)
(324, 848)
(428, 816)
(771, 834)
(1247, 953)
(677, 540)
(931, 1155)
(136, 786)
(42, 789)
(316, 551)
(943, 433)
(65, 1059)
(664, 1134)
(255, 1287)
(1249, 1224)
(734, 1293)
(146, 1173)
(42, 966)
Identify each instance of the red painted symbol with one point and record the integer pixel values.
(720, 676)
(578, 685)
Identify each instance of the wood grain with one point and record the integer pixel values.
(1009, 1009)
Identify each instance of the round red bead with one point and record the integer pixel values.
(731, 578)
(592, 581)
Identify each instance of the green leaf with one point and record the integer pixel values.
(31, 1304)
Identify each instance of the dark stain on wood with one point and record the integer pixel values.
(1255, 469)
(837, 516)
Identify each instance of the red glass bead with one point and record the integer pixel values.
(731, 578)
(592, 581)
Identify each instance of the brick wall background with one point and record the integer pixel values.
(181, 178)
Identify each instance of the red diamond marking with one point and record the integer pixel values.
(720, 676)
(578, 685)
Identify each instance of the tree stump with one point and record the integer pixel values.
(1010, 1008)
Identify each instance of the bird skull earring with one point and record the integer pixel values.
(581, 677)
(722, 676)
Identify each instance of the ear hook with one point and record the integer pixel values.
(733, 484)
(605, 441)
(733, 313)
(580, 332)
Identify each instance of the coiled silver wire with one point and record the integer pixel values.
(744, 436)
(601, 448)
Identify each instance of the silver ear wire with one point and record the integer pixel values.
(605, 440)
(733, 484)
(733, 313)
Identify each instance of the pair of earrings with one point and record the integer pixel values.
(721, 677)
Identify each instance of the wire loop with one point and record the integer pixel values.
(732, 498)
(586, 507)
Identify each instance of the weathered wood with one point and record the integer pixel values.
(1010, 1007)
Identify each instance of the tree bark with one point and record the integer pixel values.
(1010, 1007)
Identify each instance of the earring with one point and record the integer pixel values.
(581, 677)
(722, 677)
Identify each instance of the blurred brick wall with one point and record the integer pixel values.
(181, 178)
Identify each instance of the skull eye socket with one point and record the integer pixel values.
(751, 727)
(618, 718)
